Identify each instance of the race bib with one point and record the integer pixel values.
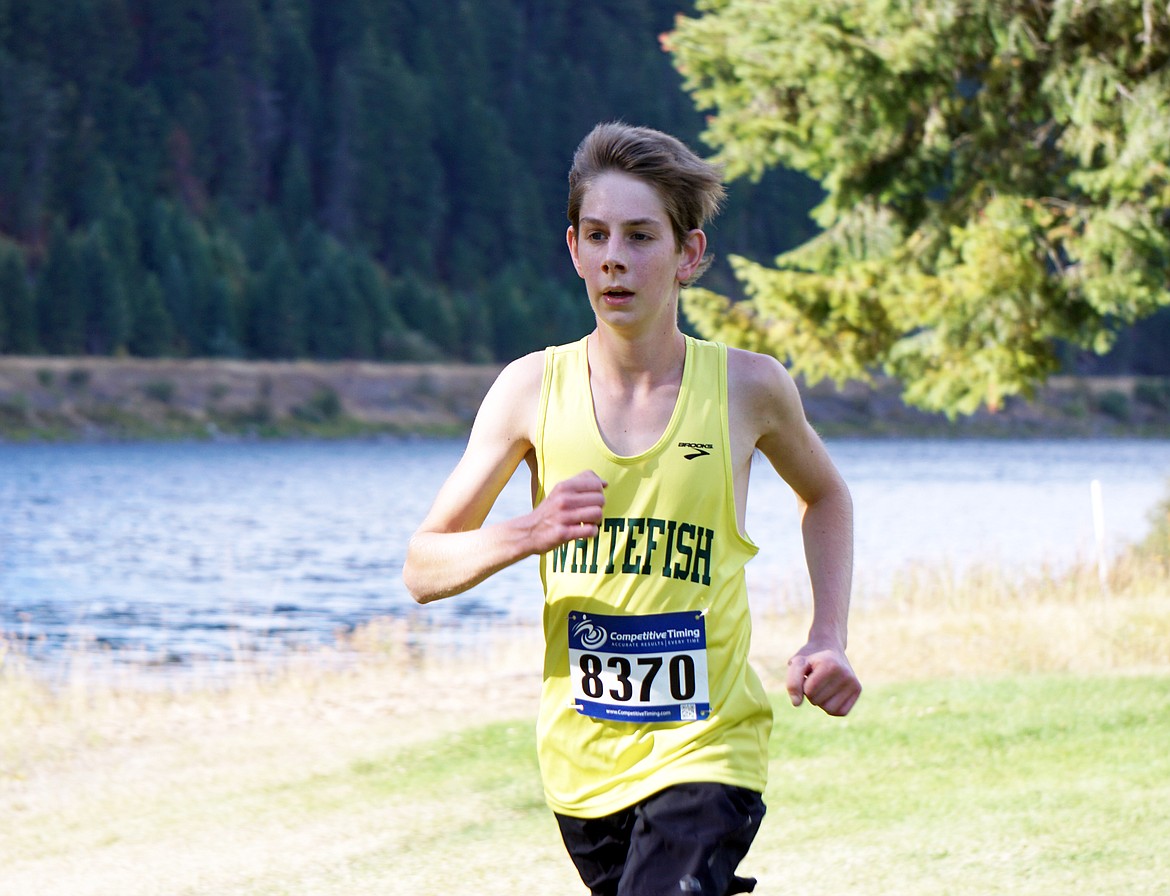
(639, 668)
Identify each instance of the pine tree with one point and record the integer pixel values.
(17, 302)
(152, 331)
(276, 315)
(296, 191)
(373, 289)
(428, 310)
(994, 175)
(11, 276)
(61, 296)
(402, 206)
(107, 307)
(30, 126)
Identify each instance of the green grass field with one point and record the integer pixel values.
(1020, 785)
(1035, 785)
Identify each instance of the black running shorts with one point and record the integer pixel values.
(687, 839)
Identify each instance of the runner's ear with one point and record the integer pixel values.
(694, 247)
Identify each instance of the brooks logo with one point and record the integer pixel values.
(698, 449)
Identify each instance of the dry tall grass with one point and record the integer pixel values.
(987, 623)
(931, 622)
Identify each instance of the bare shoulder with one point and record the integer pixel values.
(766, 413)
(500, 439)
(510, 407)
(524, 371)
(764, 397)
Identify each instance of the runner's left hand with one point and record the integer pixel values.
(825, 677)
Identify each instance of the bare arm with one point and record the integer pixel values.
(452, 550)
(770, 417)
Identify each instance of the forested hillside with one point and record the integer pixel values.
(318, 178)
(377, 179)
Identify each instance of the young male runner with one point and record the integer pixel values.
(653, 728)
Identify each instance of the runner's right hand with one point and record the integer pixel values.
(573, 509)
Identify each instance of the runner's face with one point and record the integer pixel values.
(625, 250)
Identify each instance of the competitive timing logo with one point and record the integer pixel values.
(592, 635)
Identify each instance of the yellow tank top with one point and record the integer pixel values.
(647, 630)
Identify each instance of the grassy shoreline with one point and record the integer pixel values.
(84, 398)
(107, 399)
(1010, 740)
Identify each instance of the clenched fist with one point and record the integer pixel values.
(573, 509)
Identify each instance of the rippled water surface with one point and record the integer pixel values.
(183, 552)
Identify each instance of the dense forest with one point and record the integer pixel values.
(318, 178)
(377, 179)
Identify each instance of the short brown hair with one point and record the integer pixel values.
(690, 187)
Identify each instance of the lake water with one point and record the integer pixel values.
(186, 553)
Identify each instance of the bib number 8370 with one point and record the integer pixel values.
(637, 677)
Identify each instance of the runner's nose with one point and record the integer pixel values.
(612, 263)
